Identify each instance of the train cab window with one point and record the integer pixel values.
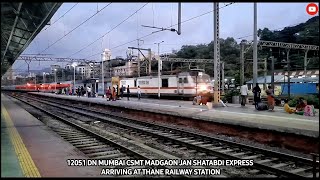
(180, 80)
(185, 80)
(165, 83)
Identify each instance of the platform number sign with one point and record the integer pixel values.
(312, 9)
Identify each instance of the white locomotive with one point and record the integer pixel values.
(185, 84)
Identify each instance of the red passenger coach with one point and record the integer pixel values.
(42, 87)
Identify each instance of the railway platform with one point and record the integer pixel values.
(30, 149)
(234, 114)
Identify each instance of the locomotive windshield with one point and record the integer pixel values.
(204, 78)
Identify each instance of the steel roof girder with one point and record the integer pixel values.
(186, 60)
(13, 27)
(40, 58)
(283, 45)
(21, 37)
(25, 25)
(50, 13)
(288, 45)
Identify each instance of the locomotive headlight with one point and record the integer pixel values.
(203, 88)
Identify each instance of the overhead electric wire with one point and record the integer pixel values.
(119, 25)
(75, 28)
(61, 16)
(72, 29)
(165, 28)
(110, 30)
(58, 19)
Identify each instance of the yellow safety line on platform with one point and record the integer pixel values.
(27, 165)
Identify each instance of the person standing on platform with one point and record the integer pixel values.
(79, 91)
(139, 92)
(76, 93)
(256, 95)
(271, 101)
(117, 92)
(114, 95)
(82, 91)
(108, 93)
(128, 92)
(89, 91)
(244, 94)
(121, 91)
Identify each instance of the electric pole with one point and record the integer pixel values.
(242, 62)
(255, 45)
(159, 68)
(216, 53)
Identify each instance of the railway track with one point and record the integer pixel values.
(94, 145)
(279, 164)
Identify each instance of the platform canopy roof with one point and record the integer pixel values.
(284, 79)
(20, 24)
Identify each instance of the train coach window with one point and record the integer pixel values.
(180, 80)
(135, 83)
(185, 80)
(165, 83)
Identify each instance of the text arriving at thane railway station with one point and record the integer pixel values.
(180, 164)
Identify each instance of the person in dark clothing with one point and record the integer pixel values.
(256, 95)
(76, 93)
(301, 105)
(79, 91)
(117, 92)
(121, 91)
(82, 92)
(128, 92)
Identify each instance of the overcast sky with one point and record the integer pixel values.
(236, 20)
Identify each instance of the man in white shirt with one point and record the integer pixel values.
(89, 91)
(244, 94)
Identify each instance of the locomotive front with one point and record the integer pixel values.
(202, 83)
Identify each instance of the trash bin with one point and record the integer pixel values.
(236, 99)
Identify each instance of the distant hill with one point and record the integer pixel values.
(303, 33)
